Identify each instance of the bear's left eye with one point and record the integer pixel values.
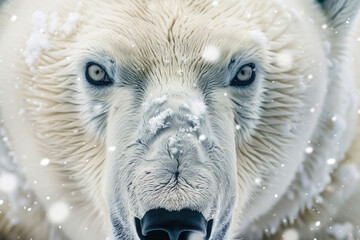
(96, 75)
(244, 76)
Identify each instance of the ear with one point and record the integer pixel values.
(340, 13)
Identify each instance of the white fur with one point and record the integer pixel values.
(170, 133)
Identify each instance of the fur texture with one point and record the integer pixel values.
(170, 132)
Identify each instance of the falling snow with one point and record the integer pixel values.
(290, 234)
(331, 161)
(44, 162)
(309, 150)
(58, 212)
(112, 148)
(8, 182)
(284, 59)
(258, 36)
(215, 3)
(202, 138)
(13, 18)
(258, 181)
(341, 231)
(211, 54)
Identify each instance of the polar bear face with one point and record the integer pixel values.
(179, 105)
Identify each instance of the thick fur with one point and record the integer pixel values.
(279, 154)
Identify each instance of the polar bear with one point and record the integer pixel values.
(166, 119)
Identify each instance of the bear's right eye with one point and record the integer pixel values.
(245, 76)
(96, 75)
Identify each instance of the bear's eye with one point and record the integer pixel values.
(244, 76)
(96, 75)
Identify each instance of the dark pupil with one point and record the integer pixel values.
(97, 72)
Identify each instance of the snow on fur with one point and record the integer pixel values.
(38, 41)
(154, 102)
(159, 121)
(43, 24)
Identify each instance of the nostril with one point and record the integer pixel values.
(185, 224)
(157, 235)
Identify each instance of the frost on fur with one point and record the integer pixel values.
(159, 121)
(38, 41)
(43, 26)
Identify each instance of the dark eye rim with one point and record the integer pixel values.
(103, 82)
(237, 83)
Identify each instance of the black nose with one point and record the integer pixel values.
(160, 224)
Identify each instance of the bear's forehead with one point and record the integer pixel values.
(176, 30)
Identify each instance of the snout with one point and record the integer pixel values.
(160, 224)
(172, 163)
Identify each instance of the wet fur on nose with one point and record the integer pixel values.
(161, 224)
